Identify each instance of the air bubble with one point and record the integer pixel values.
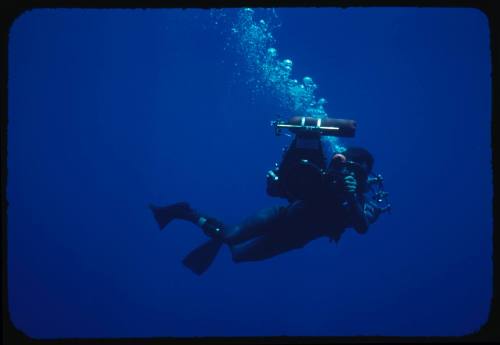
(272, 52)
(268, 74)
(307, 81)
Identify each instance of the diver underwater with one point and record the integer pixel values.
(325, 195)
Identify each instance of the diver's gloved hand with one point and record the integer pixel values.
(350, 184)
(372, 211)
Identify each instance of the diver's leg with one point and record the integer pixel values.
(260, 223)
(291, 228)
(266, 246)
(256, 225)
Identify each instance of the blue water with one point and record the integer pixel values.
(110, 110)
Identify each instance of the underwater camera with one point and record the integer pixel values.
(378, 194)
(371, 185)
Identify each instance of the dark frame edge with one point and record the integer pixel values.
(488, 333)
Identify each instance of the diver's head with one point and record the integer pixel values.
(361, 156)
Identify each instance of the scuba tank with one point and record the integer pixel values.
(326, 126)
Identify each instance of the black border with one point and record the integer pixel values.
(489, 333)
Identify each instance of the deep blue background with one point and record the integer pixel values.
(112, 109)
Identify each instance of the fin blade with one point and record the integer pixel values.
(164, 215)
(162, 218)
(199, 259)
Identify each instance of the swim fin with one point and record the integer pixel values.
(202, 257)
(166, 214)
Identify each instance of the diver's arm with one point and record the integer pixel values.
(372, 211)
(364, 214)
(356, 207)
(360, 221)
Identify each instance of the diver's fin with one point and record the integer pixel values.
(166, 214)
(202, 257)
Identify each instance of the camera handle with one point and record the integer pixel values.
(380, 195)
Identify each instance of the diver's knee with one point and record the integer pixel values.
(237, 255)
(237, 259)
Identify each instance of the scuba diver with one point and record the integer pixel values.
(325, 197)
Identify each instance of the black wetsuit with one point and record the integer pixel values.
(312, 211)
(279, 229)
